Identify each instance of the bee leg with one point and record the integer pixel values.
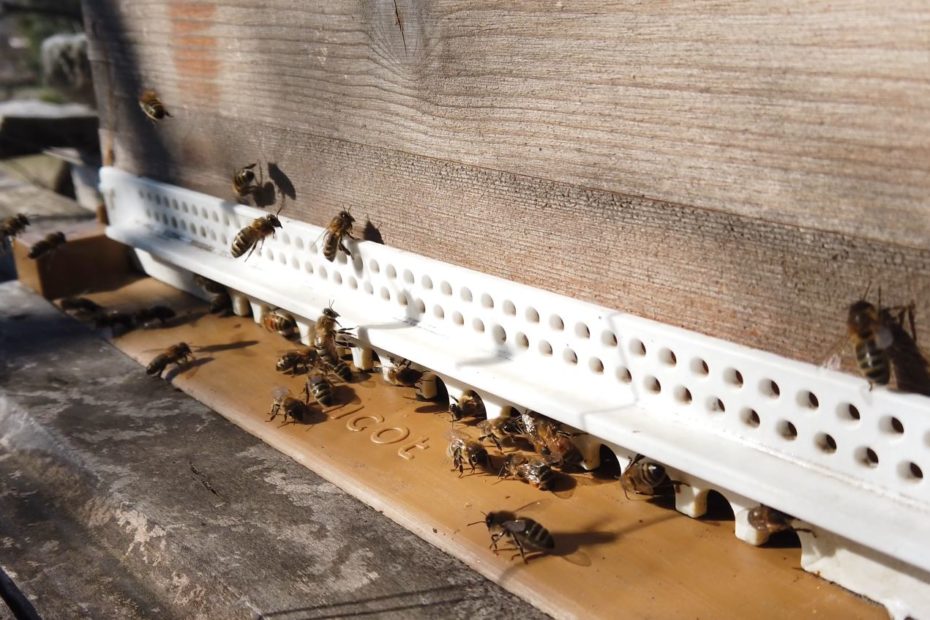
(343, 247)
(804, 529)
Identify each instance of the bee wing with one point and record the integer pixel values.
(836, 354)
(578, 558)
(534, 507)
(279, 392)
(515, 525)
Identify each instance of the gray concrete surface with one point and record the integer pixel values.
(120, 497)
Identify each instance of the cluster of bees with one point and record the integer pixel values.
(879, 336)
(14, 225)
(85, 309)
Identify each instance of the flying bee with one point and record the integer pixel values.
(152, 106)
(156, 313)
(400, 373)
(298, 360)
(338, 228)
(282, 323)
(531, 470)
(765, 519)
(47, 245)
(10, 228)
(499, 430)
(177, 354)
(526, 534)
(463, 450)
(469, 406)
(293, 409)
(321, 389)
(642, 477)
(244, 181)
(80, 307)
(254, 235)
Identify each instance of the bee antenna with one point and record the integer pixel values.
(868, 288)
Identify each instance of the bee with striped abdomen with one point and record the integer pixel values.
(871, 340)
(298, 360)
(220, 301)
(532, 470)
(47, 245)
(525, 533)
(254, 235)
(338, 228)
(320, 389)
(325, 343)
(400, 373)
(293, 409)
(463, 450)
(281, 323)
(642, 477)
(177, 354)
(244, 181)
(499, 430)
(152, 106)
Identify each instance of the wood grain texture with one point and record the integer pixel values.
(738, 170)
(805, 114)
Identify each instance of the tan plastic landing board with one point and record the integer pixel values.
(643, 560)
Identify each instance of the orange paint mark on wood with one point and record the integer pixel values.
(191, 10)
(194, 52)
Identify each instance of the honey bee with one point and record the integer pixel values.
(463, 450)
(11, 227)
(114, 319)
(371, 233)
(321, 389)
(531, 470)
(282, 323)
(499, 430)
(254, 235)
(400, 373)
(156, 313)
(550, 440)
(80, 307)
(526, 534)
(293, 409)
(339, 227)
(220, 301)
(469, 406)
(765, 519)
(642, 477)
(47, 245)
(298, 360)
(152, 106)
(325, 337)
(177, 354)
(870, 339)
(244, 181)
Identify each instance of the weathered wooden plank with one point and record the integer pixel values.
(729, 272)
(806, 114)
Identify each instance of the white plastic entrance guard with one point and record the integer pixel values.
(757, 427)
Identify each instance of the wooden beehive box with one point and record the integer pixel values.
(743, 171)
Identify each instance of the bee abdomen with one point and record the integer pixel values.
(322, 392)
(873, 361)
(330, 244)
(157, 365)
(244, 240)
(539, 536)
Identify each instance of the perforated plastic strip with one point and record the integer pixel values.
(811, 442)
